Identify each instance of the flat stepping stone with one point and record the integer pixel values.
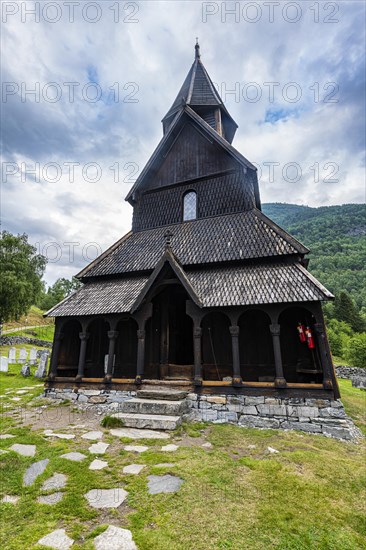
(24, 450)
(164, 465)
(2, 452)
(163, 484)
(7, 436)
(106, 498)
(16, 398)
(93, 436)
(76, 457)
(10, 499)
(52, 499)
(21, 392)
(170, 448)
(272, 450)
(136, 433)
(34, 471)
(115, 538)
(207, 445)
(98, 464)
(136, 448)
(57, 481)
(50, 433)
(57, 539)
(133, 469)
(98, 448)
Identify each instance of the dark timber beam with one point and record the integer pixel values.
(234, 331)
(81, 366)
(55, 353)
(280, 381)
(112, 335)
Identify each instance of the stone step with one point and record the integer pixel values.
(154, 406)
(150, 421)
(165, 394)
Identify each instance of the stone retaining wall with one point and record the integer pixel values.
(317, 416)
(13, 340)
(349, 372)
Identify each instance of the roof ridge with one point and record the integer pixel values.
(282, 232)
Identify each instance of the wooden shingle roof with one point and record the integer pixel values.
(234, 237)
(264, 283)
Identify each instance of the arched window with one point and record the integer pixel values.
(190, 206)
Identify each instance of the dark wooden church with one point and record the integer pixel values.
(205, 292)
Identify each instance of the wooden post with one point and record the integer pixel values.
(83, 342)
(280, 381)
(234, 331)
(197, 337)
(327, 378)
(140, 356)
(55, 353)
(112, 335)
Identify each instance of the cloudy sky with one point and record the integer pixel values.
(86, 84)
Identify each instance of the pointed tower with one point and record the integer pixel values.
(205, 293)
(199, 92)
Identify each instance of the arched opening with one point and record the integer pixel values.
(68, 358)
(125, 362)
(169, 335)
(300, 354)
(217, 362)
(257, 362)
(190, 206)
(96, 349)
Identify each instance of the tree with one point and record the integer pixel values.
(57, 292)
(20, 275)
(356, 351)
(345, 310)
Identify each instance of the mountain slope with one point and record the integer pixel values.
(336, 236)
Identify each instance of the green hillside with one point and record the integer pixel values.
(336, 236)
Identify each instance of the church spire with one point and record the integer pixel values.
(199, 92)
(197, 50)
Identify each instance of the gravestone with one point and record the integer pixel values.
(12, 355)
(4, 364)
(22, 355)
(33, 356)
(25, 370)
(41, 372)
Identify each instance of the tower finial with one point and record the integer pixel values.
(197, 48)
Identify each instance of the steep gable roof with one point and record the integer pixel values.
(168, 139)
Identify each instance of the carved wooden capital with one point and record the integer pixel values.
(113, 334)
(84, 336)
(275, 329)
(234, 331)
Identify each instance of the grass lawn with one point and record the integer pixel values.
(235, 495)
(33, 318)
(45, 332)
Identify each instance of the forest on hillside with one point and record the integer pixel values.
(336, 237)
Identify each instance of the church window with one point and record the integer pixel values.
(190, 206)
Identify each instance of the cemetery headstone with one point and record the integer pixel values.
(25, 370)
(22, 355)
(12, 355)
(33, 356)
(4, 364)
(41, 372)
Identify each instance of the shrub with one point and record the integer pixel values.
(111, 422)
(356, 350)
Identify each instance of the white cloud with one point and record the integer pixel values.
(155, 53)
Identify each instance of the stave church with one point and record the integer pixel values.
(205, 293)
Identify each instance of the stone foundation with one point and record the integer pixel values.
(316, 416)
